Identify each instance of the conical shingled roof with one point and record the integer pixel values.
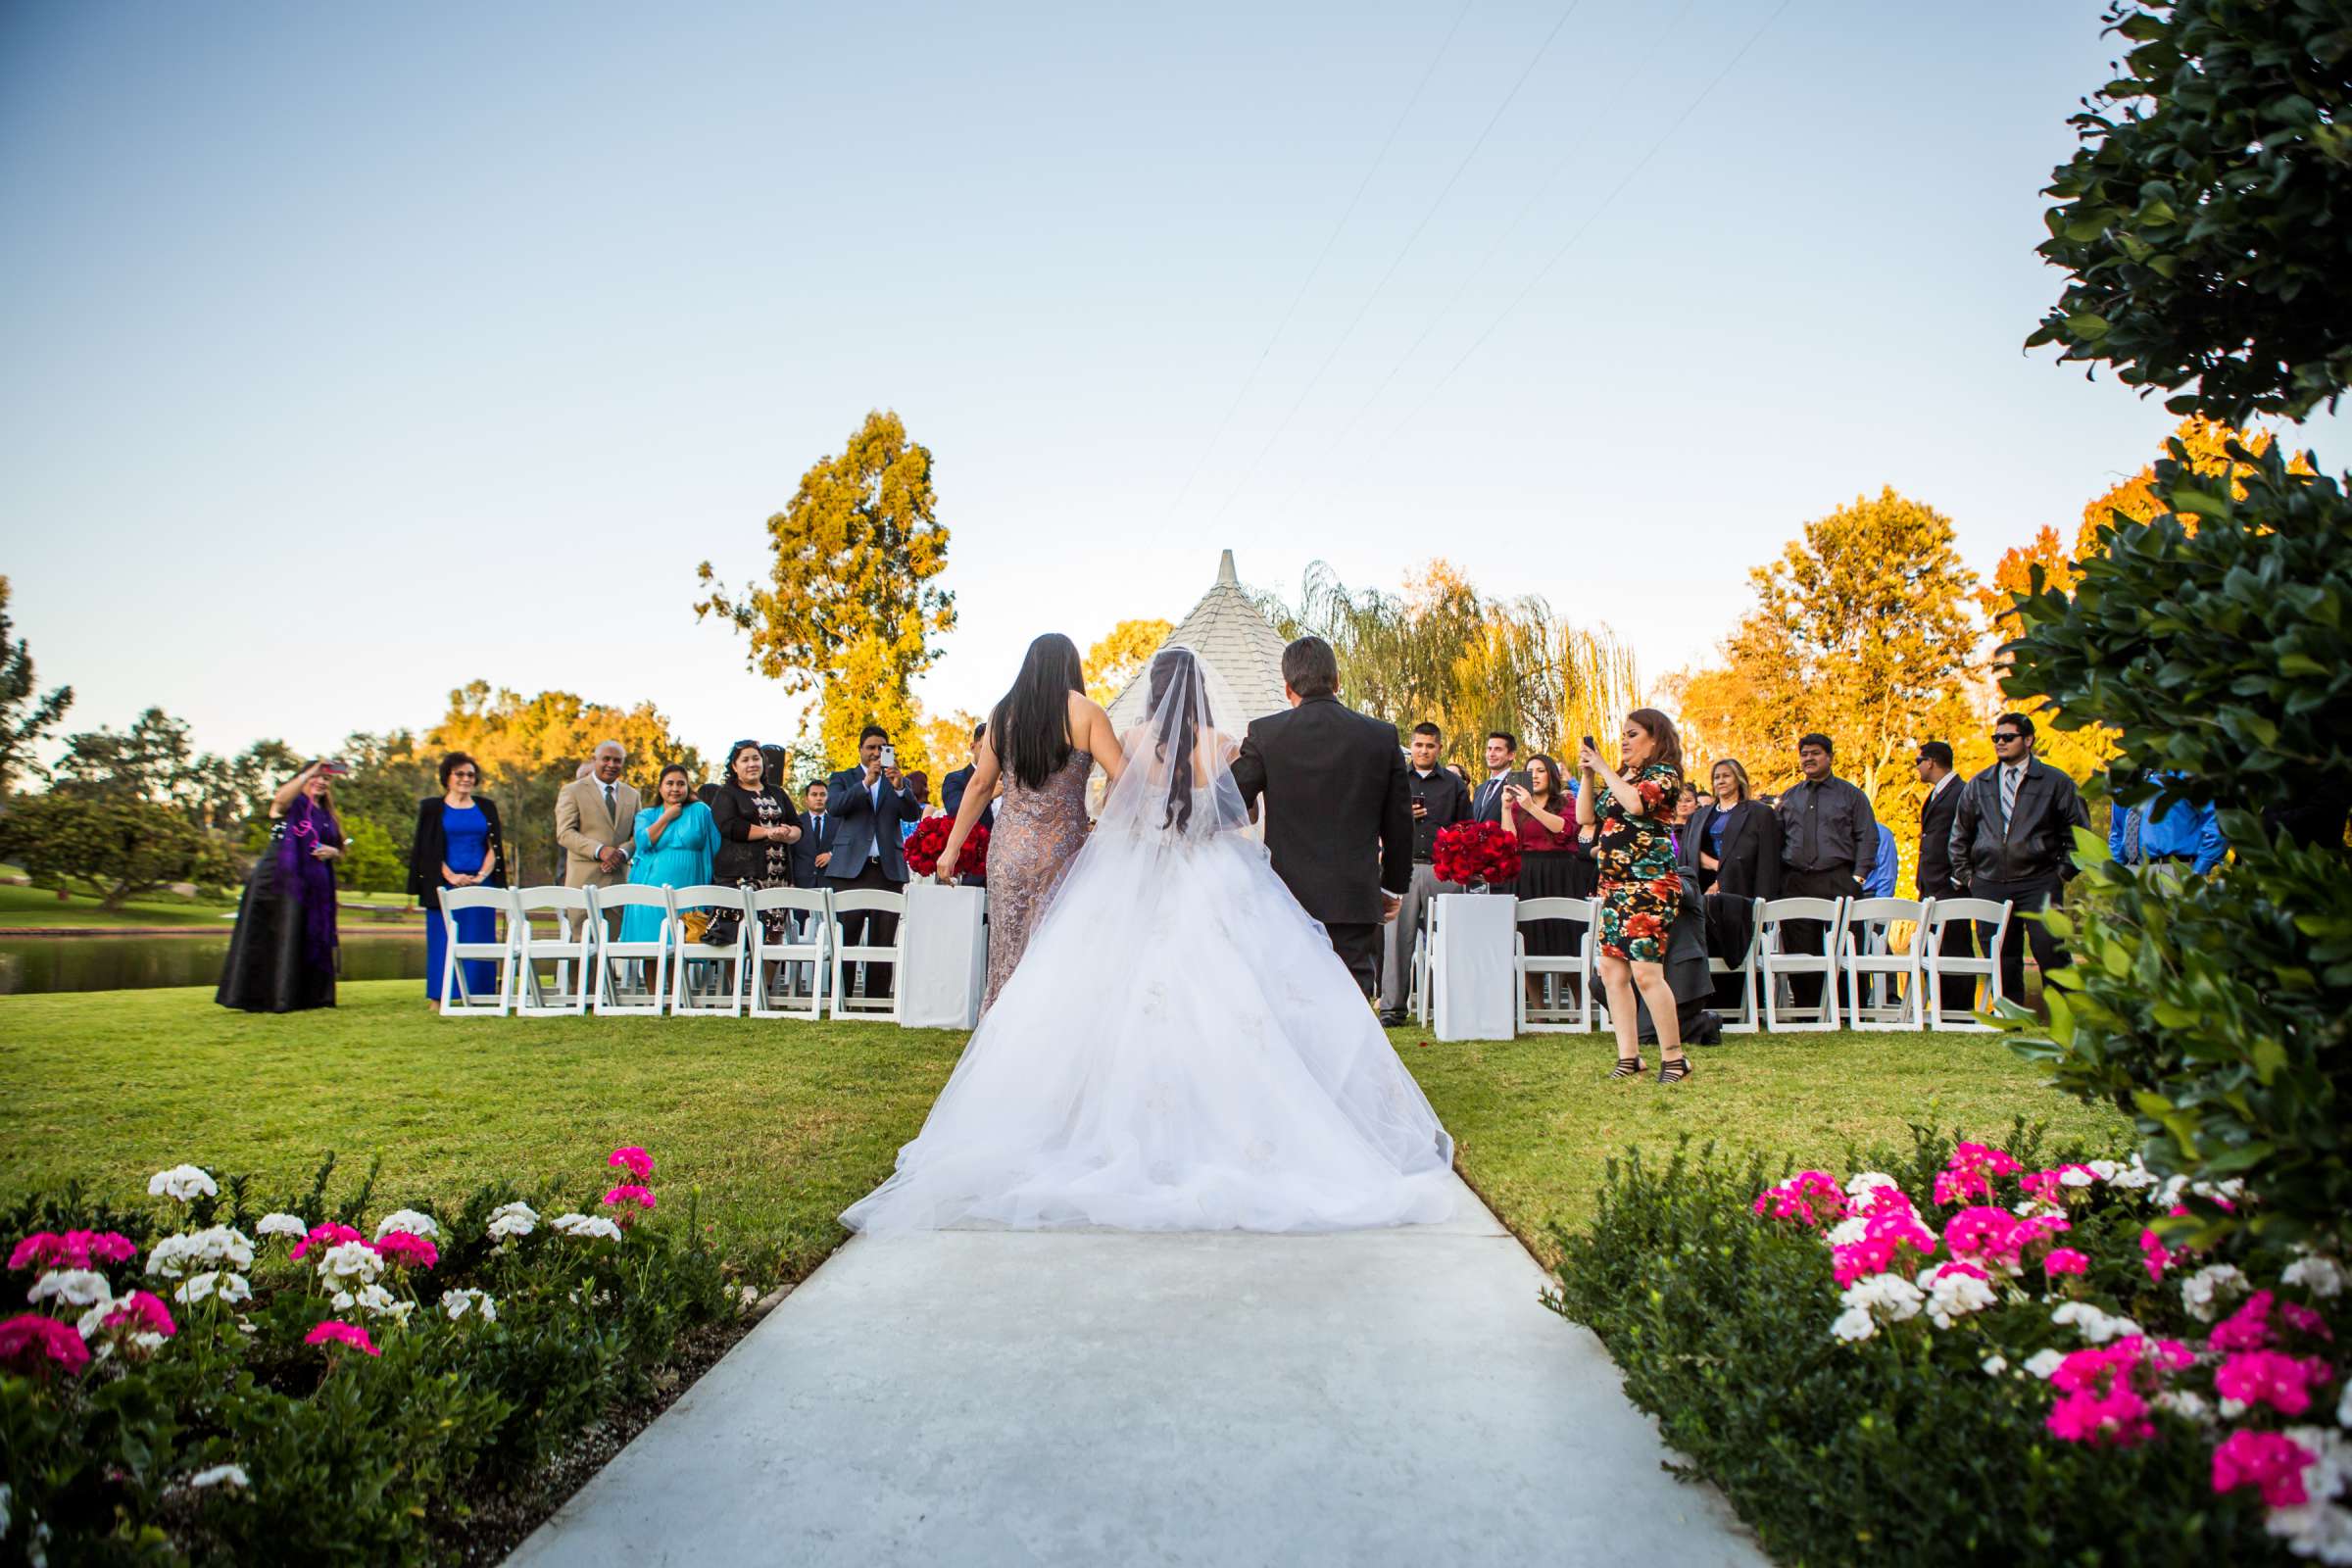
(1235, 641)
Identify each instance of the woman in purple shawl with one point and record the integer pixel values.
(281, 957)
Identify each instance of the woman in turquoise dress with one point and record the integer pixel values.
(675, 843)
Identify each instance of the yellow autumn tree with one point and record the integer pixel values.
(849, 608)
(1121, 656)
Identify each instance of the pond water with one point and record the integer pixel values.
(29, 965)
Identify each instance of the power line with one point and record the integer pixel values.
(1321, 257)
(1590, 218)
(1317, 378)
(1542, 188)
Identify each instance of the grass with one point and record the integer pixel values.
(1533, 1119)
(782, 1125)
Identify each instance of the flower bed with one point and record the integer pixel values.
(197, 1380)
(1973, 1353)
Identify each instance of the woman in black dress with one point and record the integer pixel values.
(281, 955)
(756, 830)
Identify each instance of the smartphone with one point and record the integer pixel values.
(889, 756)
(1590, 744)
(334, 766)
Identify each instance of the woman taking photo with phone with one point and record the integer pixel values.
(281, 955)
(1640, 887)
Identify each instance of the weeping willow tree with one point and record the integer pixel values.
(1438, 650)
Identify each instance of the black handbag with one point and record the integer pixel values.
(724, 931)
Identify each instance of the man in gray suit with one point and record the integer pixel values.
(596, 822)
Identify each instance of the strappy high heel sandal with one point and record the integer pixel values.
(1628, 1067)
(1675, 1071)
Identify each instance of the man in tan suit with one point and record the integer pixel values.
(596, 822)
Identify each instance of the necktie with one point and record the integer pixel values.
(2008, 797)
(612, 807)
(2131, 821)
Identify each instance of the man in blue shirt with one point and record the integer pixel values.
(2167, 832)
(1879, 884)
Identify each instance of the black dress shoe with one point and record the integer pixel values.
(1395, 1018)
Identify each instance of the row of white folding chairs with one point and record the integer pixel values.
(754, 973)
(1855, 957)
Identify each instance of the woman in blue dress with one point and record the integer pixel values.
(675, 843)
(456, 845)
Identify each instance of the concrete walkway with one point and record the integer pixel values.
(981, 1397)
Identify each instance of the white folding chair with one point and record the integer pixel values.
(811, 909)
(1425, 962)
(1556, 1020)
(1774, 963)
(1934, 965)
(1747, 1020)
(874, 1010)
(556, 997)
(700, 971)
(1864, 958)
(457, 998)
(646, 990)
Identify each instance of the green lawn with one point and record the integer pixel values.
(783, 1124)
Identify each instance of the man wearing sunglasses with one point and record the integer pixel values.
(2013, 839)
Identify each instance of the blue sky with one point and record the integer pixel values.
(351, 353)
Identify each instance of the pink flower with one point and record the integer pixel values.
(325, 1236)
(2267, 1377)
(2154, 1255)
(2266, 1460)
(2102, 1391)
(2118, 1418)
(47, 1249)
(143, 1313)
(2304, 1320)
(399, 1246)
(1967, 1173)
(334, 1332)
(1997, 1237)
(1809, 1198)
(109, 1246)
(31, 1343)
(2064, 1260)
(636, 1161)
(2246, 1329)
(630, 1197)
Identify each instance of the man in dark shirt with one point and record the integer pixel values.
(1438, 800)
(2013, 837)
(1829, 842)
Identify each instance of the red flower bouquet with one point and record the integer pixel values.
(1473, 853)
(929, 841)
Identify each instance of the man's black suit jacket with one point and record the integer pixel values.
(1339, 817)
(814, 842)
(1934, 879)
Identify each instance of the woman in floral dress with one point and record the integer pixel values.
(1640, 887)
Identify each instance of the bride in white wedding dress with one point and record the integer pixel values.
(1179, 1049)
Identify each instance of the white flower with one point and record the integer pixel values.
(1865, 1181)
(511, 1220)
(2096, 1325)
(2317, 1273)
(2133, 1178)
(2321, 1526)
(1888, 1295)
(2203, 1291)
(2077, 1176)
(148, 1341)
(375, 1301)
(457, 1303)
(2230, 1191)
(171, 1256)
(2042, 1363)
(407, 1219)
(350, 1261)
(75, 1286)
(230, 1288)
(2185, 1401)
(1994, 1365)
(195, 1288)
(2169, 1193)
(220, 1474)
(1846, 1232)
(2105, 1171)
(2343, 1405)
(747, 1297)
(282, 1225)
(220, 1245)
(183, 1182)
(94, 1319)
(586, 1226)
(1952, 1294)
(1854, 1323)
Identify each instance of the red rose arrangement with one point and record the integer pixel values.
(1474, 853)
(929, 841)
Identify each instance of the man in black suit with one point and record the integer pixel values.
(2013, 839)
(1338, 819)
(1438, 800)
(1934, 878)
(815, 851)
(1502, 758)
(867, 806)
(953, 786)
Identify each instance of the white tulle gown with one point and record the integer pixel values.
(1179, 1049)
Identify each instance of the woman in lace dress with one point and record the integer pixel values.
(1041, 742)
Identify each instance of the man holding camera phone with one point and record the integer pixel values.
(867, 804)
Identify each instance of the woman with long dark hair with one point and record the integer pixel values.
(1551, 864)
(281, 956)
(1640, 889)
(1044, 739)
